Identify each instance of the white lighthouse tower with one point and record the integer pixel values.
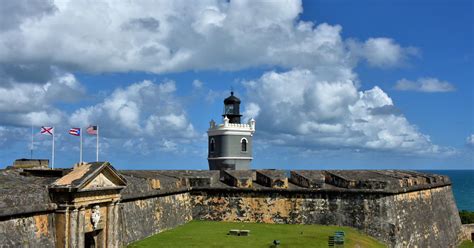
(230, 143)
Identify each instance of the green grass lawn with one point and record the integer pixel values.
(214, 234)
(466, 244)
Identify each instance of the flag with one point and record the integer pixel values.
(75, 131)
(92, 130)
(47, 130)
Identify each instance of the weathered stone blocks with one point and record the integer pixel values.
(425, 218)
(239, 179)
(308, 179)
(141, 218)
(400, 208)
(272, 179)
(154, 183)
(28, 231)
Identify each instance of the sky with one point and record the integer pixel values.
(331, 84)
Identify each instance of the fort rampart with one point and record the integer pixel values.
(426, 218)
(399, 208)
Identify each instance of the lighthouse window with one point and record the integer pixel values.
(229, 109)
(212, 145)
(244, 144)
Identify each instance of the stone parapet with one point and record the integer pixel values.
(239, 179)
(400, 208)
(423, 218)
(308, 178)
(272, 178)
(31, 163)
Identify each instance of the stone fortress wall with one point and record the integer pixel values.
(28, 230)
(426, 218)
(142, 218)
(26, 211)
(399, 208)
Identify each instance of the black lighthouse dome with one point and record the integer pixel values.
(232, 108)
(231, 99)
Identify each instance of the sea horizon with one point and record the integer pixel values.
(461, 185)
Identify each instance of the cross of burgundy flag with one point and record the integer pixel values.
(47, 130)
(75, 131)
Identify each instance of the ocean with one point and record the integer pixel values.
(463, 186)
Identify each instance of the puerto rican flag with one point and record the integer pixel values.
(75, 131)
(47, 130)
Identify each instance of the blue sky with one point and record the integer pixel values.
(331, 84)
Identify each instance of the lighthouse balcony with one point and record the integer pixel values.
(250, 126)
(232, 125)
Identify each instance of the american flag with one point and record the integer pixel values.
(47, 130)
(75, 131)
(92, 130)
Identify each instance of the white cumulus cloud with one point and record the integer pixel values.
(14, 13)
(298, 108)
(470, 140)
(197, 84)
(381, 52)
(429, 85)
(142, 112)
(251, 110)
(27, 104)
(313, 101)
(169, 36)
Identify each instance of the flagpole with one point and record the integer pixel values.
(97, 145)
(80, 146)
(52, 152)
(32, 142)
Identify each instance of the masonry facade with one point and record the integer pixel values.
(93, 204)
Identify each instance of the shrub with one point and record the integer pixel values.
(467, 217)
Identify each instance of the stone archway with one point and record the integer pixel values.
(89, 240)
(93, 239)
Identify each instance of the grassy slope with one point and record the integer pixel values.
(466, 244)
(214, 234)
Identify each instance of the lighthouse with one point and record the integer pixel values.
(230, 143)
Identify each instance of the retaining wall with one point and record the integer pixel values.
(141, 218)
(34, 230)
(425, 218)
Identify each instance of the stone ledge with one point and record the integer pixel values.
(239, 179)
(154, 194)
(321, 190)
(199, 181)
(27, 209)
(272, 178)
(308, 178)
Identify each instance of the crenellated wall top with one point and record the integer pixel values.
(226, 125)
